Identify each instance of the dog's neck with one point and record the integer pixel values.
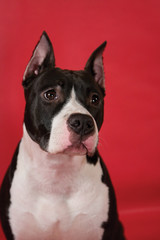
(50, 171)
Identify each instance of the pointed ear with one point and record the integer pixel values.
(43, 57)
(95, 65)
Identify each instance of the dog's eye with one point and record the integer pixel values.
(94, 99)
(50, 95)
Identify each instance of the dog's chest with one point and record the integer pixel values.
(72, 208)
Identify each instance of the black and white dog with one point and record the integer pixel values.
(57, 186)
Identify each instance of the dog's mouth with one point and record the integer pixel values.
(81, 147)
(76, 149)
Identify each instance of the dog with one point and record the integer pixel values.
(57, 186)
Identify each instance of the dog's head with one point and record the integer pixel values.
(64, 108)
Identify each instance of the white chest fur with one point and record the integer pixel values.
(55, 197)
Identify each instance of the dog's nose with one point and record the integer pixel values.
(81, 124)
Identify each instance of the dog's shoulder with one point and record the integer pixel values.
(5, 194)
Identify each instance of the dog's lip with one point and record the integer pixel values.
(75, 149)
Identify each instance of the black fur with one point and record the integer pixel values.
(5, 196)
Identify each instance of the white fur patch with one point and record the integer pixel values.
(59, 137)
(56, 197)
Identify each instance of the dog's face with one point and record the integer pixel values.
(64, 109)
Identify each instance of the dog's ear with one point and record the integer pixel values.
(95, 65)
(43, 57)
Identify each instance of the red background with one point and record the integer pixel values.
(130, 137)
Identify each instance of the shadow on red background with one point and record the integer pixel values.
(130, 137)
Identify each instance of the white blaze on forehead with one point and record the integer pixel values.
(59, 136)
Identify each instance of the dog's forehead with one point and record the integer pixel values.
(57, 76)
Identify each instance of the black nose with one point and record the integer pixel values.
(81, 124)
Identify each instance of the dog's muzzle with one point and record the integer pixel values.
(75, 134)
(82, 135)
